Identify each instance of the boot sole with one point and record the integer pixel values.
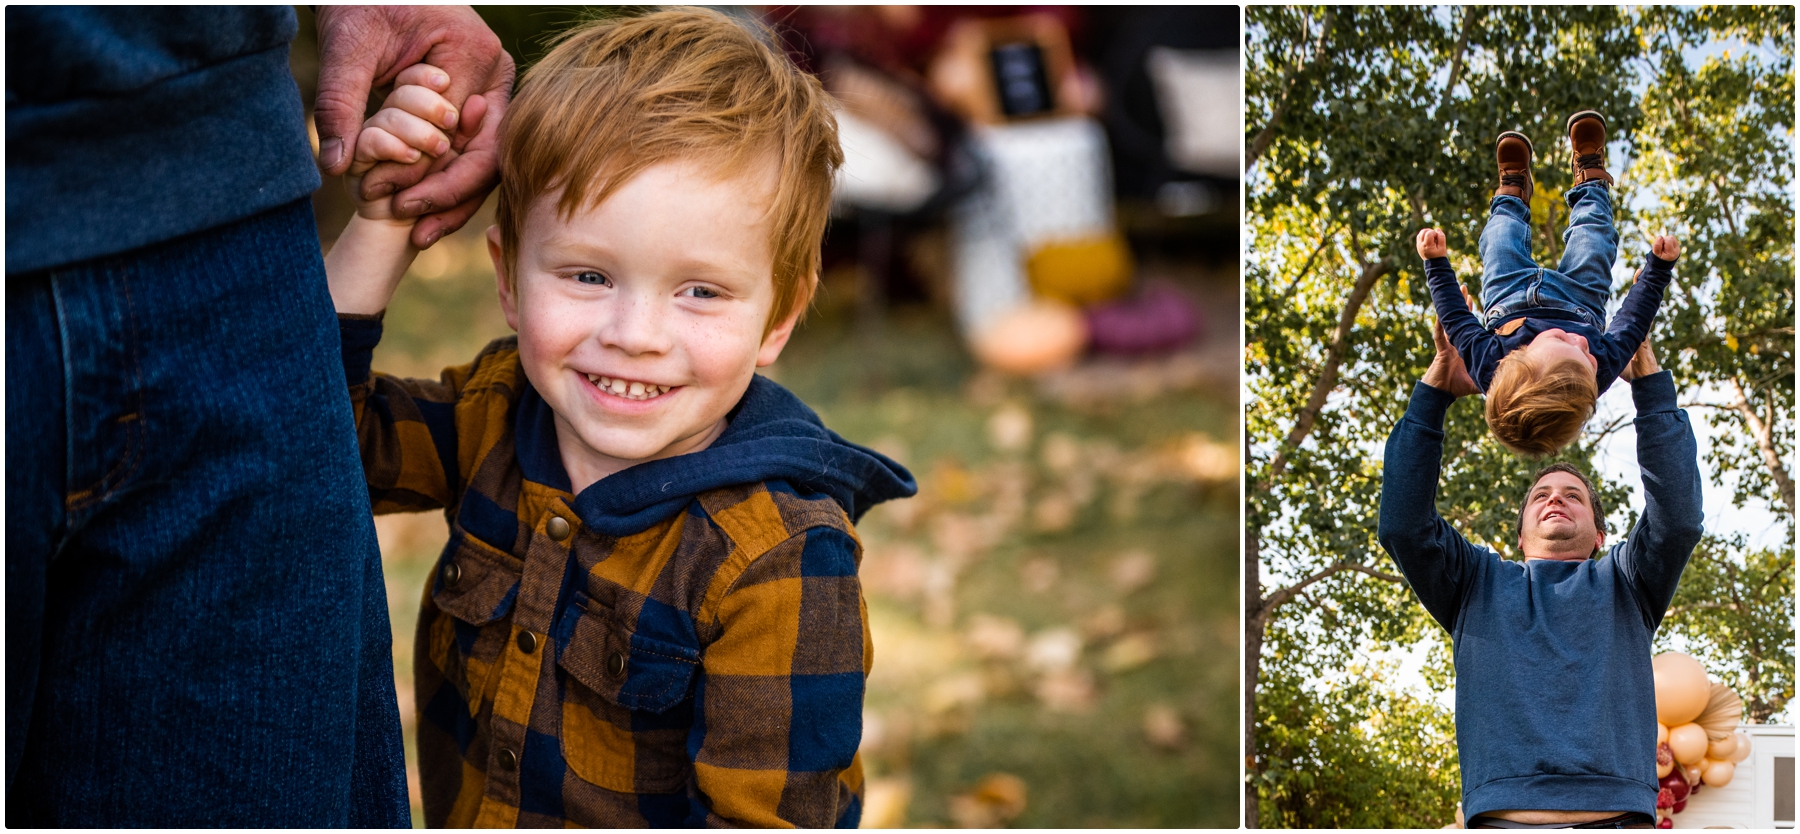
(1528, 146)
(1570, 124)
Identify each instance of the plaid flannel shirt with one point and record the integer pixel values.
(708, 670)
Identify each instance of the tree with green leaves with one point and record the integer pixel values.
(1364, 125)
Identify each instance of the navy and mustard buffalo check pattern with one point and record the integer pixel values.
(706, 671)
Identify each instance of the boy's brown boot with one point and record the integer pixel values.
(1587, 142)
(1513, 151)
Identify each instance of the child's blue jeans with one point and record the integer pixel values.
(1511, 281)
(196, 623)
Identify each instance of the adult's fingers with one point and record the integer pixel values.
(354, 47)
(471, 175)
(434, 227)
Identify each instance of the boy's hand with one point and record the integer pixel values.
(1447, 371)
(1666, 247)
(1643, 363)
(411, 123)
(1431, 244)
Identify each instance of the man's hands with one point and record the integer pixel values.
(1447, 372)
(1666, 247)
(1431, 244)
(364, 46)
(1643, 363)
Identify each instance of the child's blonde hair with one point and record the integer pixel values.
(1534, 407)
(618, 96)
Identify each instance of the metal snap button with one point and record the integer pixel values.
(451, 574)
(557, 528)
(615, 664)
(528, 642)
(508, 759)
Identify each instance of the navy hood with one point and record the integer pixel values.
(772, 436)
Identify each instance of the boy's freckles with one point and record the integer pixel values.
(641, 319)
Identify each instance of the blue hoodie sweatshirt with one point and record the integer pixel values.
(1555, 704)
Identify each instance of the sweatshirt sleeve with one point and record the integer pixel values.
(1436, 560)
(1636, 313)
(778, 704)
(1479, 349)
(1658, 548)
(405, 428)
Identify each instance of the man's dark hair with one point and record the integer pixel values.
(1593, 497)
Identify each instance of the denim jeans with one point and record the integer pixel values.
(197, 629)
(1511, 281)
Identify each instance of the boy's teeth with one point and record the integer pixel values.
(628, 390)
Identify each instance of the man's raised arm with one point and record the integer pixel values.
(1433, 556)
(1653, 557)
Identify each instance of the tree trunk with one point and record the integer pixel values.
(1253, 639)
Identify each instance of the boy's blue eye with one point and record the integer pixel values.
(592, 278)
(702, 292)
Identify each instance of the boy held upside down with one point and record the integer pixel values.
(1543, 351)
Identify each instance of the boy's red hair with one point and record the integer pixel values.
(1535, 408)
(619, 96)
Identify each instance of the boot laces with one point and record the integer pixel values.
(1590, 160)
(1513, 178)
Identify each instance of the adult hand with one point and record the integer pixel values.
(1643, 363)
(361, 47)
(1447, 372)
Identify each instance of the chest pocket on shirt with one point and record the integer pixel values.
(476, 585)
(626, 705)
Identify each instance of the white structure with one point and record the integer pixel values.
(1049, 180)
(1761, 793)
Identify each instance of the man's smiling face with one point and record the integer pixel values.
(1558, 520)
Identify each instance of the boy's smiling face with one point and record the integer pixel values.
(641, 319)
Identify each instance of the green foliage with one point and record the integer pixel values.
(1363, 758)
(1366, 124)
(1732, 613)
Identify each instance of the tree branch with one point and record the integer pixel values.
(1328, 373)
(1263, 137)
(1765, 441)
(1282, 596)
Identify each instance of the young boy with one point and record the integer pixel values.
(1540, 352)
(648, 612)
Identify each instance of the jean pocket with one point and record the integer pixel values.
(627, 708)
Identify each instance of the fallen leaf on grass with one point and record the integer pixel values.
(995, 638)
(884, 802)
(1010, 428)
(1133, 570)
(1053, 649)
(1039, 574)
(1164, 728)
(999, 798)
(1130, 652)
(1067, 690)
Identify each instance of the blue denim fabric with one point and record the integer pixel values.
(197, 629)
(1580, 285)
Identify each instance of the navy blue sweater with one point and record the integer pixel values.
(1555, 704)
(1481, 349)
(128, 126)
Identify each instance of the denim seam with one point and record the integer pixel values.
(114, 479)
